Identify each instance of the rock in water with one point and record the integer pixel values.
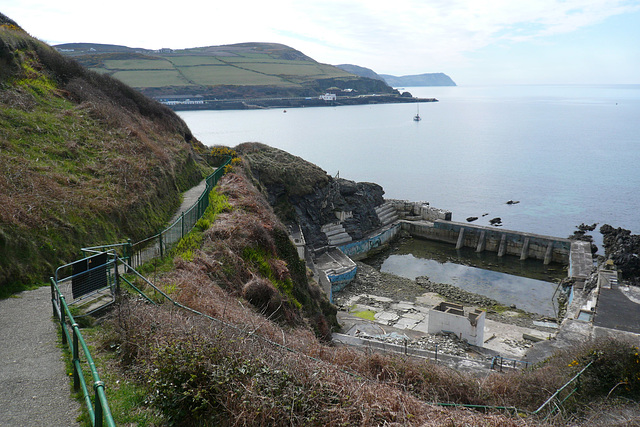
(496, 221)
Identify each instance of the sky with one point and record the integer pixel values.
(475, 42)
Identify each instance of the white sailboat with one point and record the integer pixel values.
(417, 117)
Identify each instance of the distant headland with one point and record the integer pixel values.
(237, 76)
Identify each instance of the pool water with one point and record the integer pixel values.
(528, 284)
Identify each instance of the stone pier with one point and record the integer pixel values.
(482, 238)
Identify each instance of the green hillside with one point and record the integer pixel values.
(238, 70)
(84, 159)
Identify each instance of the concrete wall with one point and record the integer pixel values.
(449, 317)
(361, 248)
(504, 242)
(418, 211)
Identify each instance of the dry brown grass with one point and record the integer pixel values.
(243, 379)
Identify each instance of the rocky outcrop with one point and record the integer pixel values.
(624, 249)
(303, 193)
(341, 201)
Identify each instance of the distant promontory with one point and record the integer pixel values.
(426, 79)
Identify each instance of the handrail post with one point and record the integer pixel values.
(53, 298)
(129, 252)
(160, 242)
(182, 224)
(76, 357)
(117, 274)
(98, 403)
(62, 319)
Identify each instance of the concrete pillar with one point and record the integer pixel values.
(481, 242)
(503, 246)
(460, 238)
(549, 254)
(525, 249)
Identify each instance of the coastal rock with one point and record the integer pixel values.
(624, 249)
(302, 192)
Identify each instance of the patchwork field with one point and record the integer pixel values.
(206, 70)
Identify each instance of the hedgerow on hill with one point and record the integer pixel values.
(84, 160)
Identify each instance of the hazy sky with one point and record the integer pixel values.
(473, 41)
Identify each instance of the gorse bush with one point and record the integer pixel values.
(614, 370)
(219, 154)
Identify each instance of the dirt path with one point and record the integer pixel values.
(34, 385)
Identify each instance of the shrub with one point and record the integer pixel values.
(219, 154)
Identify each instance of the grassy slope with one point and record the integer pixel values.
(84, 160)
(198, 69)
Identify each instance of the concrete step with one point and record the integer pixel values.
(334, 262)
(384, 208)
(330, 228)
(387, 213)
(334, 232)
(339, 239)
(388, 218)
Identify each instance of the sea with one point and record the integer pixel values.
(568, 154)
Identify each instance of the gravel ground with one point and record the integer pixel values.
(34, 385)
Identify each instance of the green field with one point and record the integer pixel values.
(211, 71)
(216, 70)
(138, 64)
(228, 75)
(297, 70)
(151, 78)
(190, 61)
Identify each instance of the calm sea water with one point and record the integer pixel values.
(569, 154)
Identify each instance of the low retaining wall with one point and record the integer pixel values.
(504, 242)
(362, 248)
(418, 211)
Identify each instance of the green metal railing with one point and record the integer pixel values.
(98, 407)
(557, 399)
(158, 245)
(107, 277)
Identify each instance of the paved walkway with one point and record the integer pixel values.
(616, 311)
(34, 386)
(189, 198)
(35, 389)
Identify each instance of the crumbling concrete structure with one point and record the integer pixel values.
(450, 317)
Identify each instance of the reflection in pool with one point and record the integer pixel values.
(527, 294)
